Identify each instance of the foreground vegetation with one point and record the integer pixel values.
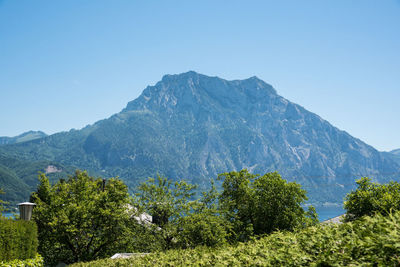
(37, 261)
(18, 242)
(253, 220)
(84, 218)
(18, 239)
(370, 241)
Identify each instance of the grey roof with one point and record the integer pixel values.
(336, 220)
(127, 255)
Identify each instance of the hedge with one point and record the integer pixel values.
(35, 262)
(371, 241)
(18, 240)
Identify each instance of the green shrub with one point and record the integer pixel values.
(370, 241)
(202, 229)
(370, 198)
(35, 262)
(18, 239)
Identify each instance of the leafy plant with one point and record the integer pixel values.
(81, 218)
(257, 205)
(2, 203)
(34, 262)
(18, 239)
(370, 198)
(167, 202)
(370, 241)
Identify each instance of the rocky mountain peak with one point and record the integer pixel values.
(193, 89)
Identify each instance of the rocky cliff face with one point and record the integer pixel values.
(193, 126)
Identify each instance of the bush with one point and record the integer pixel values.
(18, 239)
(370, 198)
(35, 262)
(370, 241)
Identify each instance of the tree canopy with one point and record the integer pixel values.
(257, 205)
(81, 218)
(2, 203)
(248, 205)
(167, 202)
(84, 218)
(370, 198)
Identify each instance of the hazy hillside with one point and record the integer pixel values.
(394, 155)
(193, 126)
(18, 177)
(31, 135)
(395, 152)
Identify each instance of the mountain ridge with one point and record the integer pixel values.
(194, 126)
(24, 137)
(396, 151)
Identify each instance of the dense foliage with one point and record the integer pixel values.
(18, 239)
(178, 220)
(34, 262)
(248, 205)
(205, 225)
(84, 218)
(371, 241)
(81, 218)
(370, 198)
(258, 205)
(2, 203)
(202, 229)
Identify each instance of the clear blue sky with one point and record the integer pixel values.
(66, 64)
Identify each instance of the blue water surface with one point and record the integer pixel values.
(8, 214)
(328, 212)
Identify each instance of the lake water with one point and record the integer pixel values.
(328, 212)
(7, 214)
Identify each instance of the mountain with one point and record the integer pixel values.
(27, 136)
(19, 177)
(194, 126)
(394, 155)
(396, 152)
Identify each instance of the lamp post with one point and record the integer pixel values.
(25, 210)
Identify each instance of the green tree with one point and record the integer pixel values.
(167, 202)
(2, 203)
(204, 226)
(257, 205)
(81, 218)
(202, 229)
(236, 202)
(370, 198)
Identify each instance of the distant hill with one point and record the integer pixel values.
(18, 177)
(396, 152)
(27, 136)
(394, 155)
(194, 126)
